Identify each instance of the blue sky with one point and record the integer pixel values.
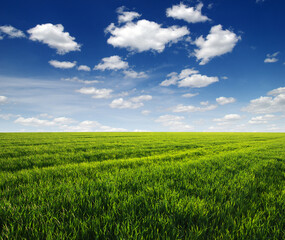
(128, 65)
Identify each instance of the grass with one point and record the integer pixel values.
(142, 186)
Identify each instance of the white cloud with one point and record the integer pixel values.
(11, 32)
(91, 126)
(262, 119)
(140, 130)
(62, 65)
(84, 68)
(7, 116)
(134, 74)
(76, 79)
(111, 63)
(263, 105)
(175, 123)
(55, 37)
(227, 119)
(141, 98)
(68, 125)
(197, 81)
(190, 108)
(189, 14)
(35, 122)
(145, 112)
(132, 103)
(217, 43)
(96, 93)
(144, 35)
(172, 80)
(224, 77)
(189, 95)
(3, 99)
(271, 58)
(225, 100)
(188, 77)
(205, 103)
(126, 16)
(277, 91)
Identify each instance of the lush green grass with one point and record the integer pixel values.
(142, 186)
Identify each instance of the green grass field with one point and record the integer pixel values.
(142, 186)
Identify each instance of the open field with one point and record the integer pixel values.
(142, 186)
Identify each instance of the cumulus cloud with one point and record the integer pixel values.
(227, 119)
(175, 123)
(96, 93)
(189, 14)
(262, 119)
(84, 68)
(67, 124)
(132, 103)
(144, 35)
(111, 63)
(217, 43)
(188, 77)
(3, 99)
(133, 74)
(62, 65)
(76, 79)
(277, 91)
(271, 58)
(225, 100)
(263, 105)
(189, 95)
(197, 81)
(190, 108)
(126, 16)
(11, 32)
(55, 37)
(35, 122)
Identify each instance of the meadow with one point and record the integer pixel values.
(142, 186)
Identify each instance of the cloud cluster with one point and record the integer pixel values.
(95, 92)
(225, 100)
(271, 58)
(262, 119)
(263, 105)
(144, 35)
(132, 103)
(175, 123)
(55, 37)
(217, 43)
(188, 78)
(111, 63)
(189, 14)
(67, 124)
(11, 32)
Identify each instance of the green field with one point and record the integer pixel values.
(142, 186)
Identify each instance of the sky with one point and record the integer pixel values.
(139, 66)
